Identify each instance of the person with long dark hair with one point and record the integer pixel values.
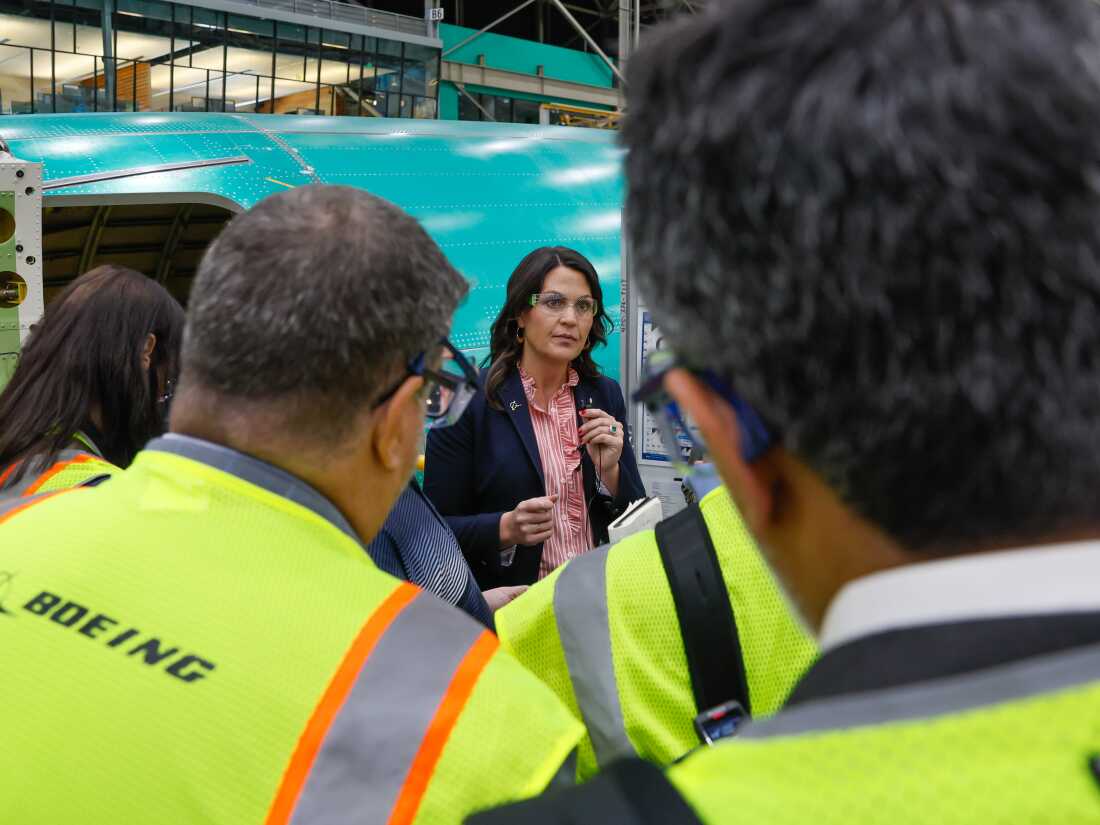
(538, 465)
(92, 382)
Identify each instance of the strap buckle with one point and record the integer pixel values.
(720, 722)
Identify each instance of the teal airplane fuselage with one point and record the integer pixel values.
(487, 193)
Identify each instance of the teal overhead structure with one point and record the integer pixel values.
(488, 193)
(524, 56)
(506, 67)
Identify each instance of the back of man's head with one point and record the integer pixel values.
(312, 303)
(878, 220)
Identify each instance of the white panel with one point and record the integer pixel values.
(25, 179)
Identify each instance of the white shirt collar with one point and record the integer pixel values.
(1056, 578)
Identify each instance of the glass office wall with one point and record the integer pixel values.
(174, 57)
(498, 108)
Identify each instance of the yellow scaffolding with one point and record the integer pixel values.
(579, 116)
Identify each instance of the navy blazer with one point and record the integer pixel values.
(488, 462)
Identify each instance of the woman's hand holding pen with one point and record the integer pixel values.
(602, 436)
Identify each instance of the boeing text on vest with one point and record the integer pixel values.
(187, 667)
(249, 665)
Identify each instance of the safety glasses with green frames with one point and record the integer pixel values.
(556, 304)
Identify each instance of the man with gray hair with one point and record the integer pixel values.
(868, 228)
(204, 638)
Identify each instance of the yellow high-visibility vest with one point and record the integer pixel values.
(602, 632)
(69, 468)
(207, 641)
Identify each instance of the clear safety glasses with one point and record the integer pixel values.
(673, 426)
(556, 304)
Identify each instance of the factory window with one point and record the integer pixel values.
(497, 107)
(174, 57)
(525, 111)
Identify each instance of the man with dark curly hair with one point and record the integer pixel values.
(869, 228)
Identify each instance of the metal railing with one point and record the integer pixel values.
(333, 10)
(31, 93)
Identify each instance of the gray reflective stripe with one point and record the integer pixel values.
(86, 440)
(27, 476)
(8, 504)
(371, 744)
(21, 486)
(580, 610)
(1042, 674)
(254, 471)
(20, 479)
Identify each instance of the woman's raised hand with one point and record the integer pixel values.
(532, 522)
(603, 436)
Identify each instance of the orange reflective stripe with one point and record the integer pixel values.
(54, 470)
(9, 471)
(28, 504)
(439, 731)
(333, 699)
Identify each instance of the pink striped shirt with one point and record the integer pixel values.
(559, 450)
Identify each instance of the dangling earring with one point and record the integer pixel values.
(519, 334)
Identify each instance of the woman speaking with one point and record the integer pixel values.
(536, 469)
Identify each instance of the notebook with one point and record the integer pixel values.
(642, 514)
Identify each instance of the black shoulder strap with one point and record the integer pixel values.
(707, 624)
(627, 792)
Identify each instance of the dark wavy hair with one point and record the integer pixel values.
(505, 348)
(85, 354)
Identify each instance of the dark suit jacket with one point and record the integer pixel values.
(488, 462)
